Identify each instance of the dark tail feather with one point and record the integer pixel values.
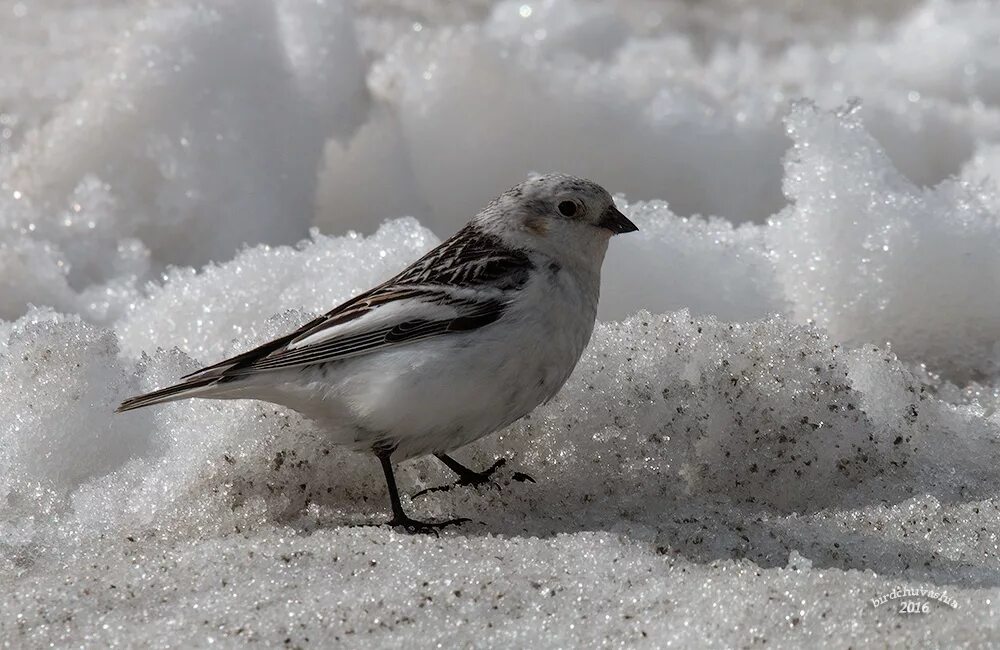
(169, 394)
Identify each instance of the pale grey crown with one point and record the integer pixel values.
(561, 197)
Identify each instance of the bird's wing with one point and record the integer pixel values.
(465, 283)
(394, 321)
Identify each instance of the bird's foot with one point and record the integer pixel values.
(415, 527)
(475, 479)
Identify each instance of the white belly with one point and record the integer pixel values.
(441, 393)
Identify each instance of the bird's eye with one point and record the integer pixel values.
(567, 208)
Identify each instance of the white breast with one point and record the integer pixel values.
(441, 393)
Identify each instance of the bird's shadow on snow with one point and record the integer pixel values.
(845, 528)
(707, 528)
(663, 515)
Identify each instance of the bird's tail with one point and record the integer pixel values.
(211, 381)
(190, 388)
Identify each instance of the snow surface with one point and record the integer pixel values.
(789, 409)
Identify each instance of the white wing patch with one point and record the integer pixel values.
(394, 323)
(385, 315)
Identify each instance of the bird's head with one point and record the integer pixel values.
(558, 213)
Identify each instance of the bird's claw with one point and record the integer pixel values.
(474, 479)
(436, 488)
(415, 527)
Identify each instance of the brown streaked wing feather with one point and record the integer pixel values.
(343, 347)
(346, 311)
(470, 258)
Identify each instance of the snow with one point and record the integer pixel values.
(896, 262)
(788, 410)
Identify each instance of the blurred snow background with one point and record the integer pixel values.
(789, 409)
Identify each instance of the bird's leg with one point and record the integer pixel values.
(467, 476)
(399, 518)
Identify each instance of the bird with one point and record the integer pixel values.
(465, 341)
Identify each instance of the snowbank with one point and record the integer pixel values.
(788, 411)
(682, 467)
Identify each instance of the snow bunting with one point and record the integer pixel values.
(466, 340)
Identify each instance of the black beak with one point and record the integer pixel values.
(616, 222)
